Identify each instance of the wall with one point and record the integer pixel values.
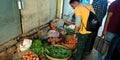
(34, 14)
(37, 12)
(9, 20)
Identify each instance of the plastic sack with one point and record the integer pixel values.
(25, 45)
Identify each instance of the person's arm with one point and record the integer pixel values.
(111, 11)
(78, 18)
(77, 23)
(107, 23)
(69, 22)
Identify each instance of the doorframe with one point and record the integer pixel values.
(59, 8)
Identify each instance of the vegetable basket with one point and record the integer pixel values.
(52, 58)
(19, 56)
(71, 47)
(60, 46)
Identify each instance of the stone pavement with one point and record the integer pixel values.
(92, 56)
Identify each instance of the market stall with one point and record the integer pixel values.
(58, 43)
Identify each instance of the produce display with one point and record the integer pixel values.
(40, 50)
(71, 42)
(58, 52)
(36, 43)
(30, 56)
(37, 47)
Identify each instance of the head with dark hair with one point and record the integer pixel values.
(74, 3)
(52, 23)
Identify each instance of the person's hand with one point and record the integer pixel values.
(57, 39)
(75, 31)
(104, 33)
(52, 43)
(74, 36)
(62, 43)
(72, 22)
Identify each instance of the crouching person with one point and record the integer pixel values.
(81, 16)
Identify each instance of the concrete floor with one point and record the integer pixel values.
(92, 56)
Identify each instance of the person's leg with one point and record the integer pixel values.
(93, 36)
(108, 37)
(88, 44)
(112, 47)
(99, 56)
(115, 55)
(118, 46)
(80, 46)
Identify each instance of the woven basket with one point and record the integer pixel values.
(71, 47)
(18, 56)
(60, 46)
(52, 58)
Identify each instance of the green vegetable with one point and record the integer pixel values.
(58, 52)
(36, 44)
(38, 51)
(69, 31)
(37, 47)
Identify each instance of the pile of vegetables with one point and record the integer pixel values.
(71, 42)
(36, 43)
(41, 48)
(30, 56)
(37, 47)
(38, 51)
(69, 31)
(58, 52)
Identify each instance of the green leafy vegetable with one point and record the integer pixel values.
(58, 52)
(69, 31)
(36, 44)
(37, 47)
(38, 51)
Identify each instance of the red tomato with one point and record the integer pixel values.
(26, 53)
(41, 56)
(37, 58)
(30, 52)
(34, 58)
(31, 58)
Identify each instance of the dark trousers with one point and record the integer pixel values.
(114, 44)
(93, 36)
(83, 45)
(116, 55)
